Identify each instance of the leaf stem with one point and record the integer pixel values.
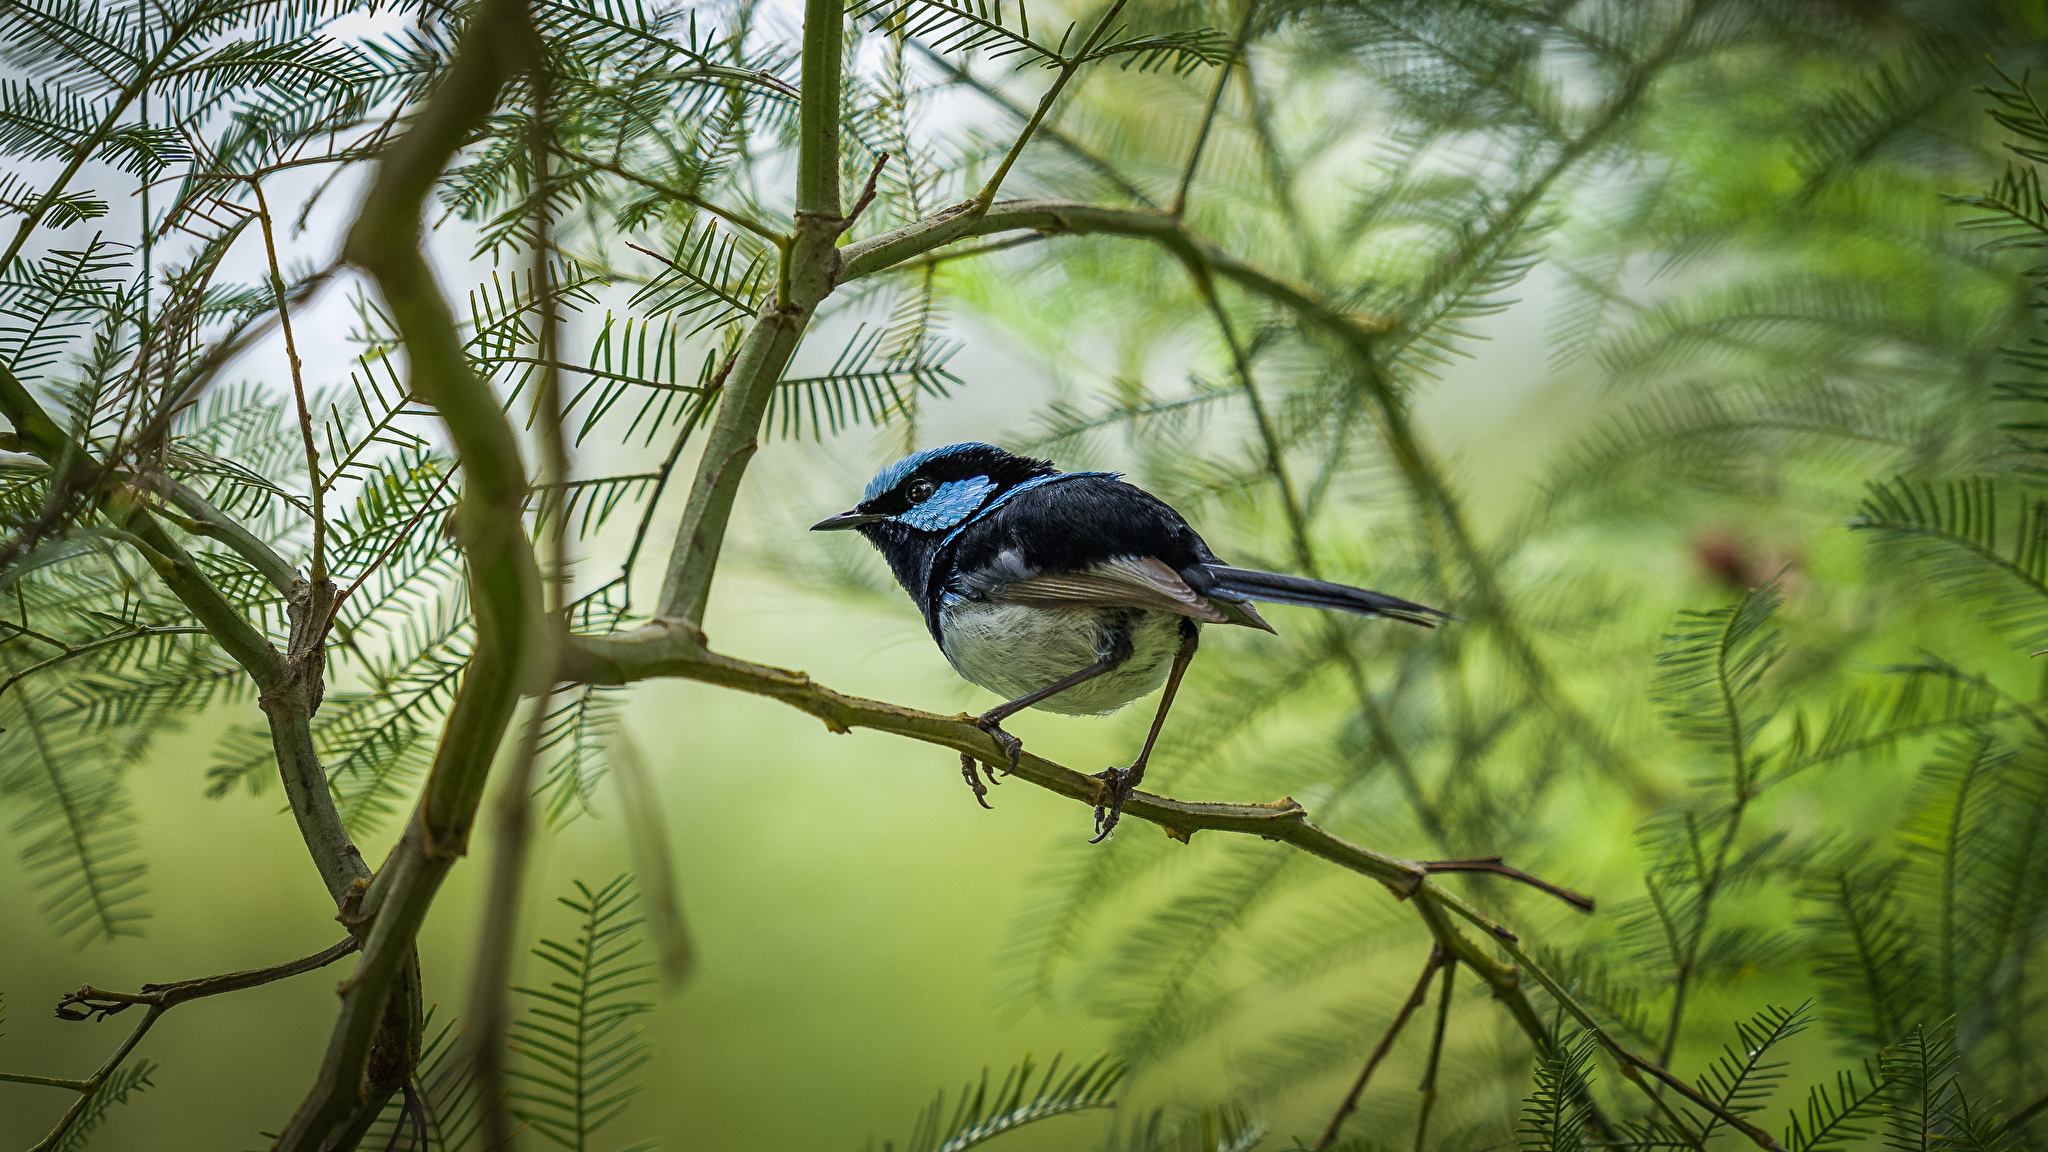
(317, 568)
(1068, 66)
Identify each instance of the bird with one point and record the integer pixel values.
(1071, 592)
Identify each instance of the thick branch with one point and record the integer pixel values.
(206, 520)
(811, 264)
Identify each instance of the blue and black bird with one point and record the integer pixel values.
(1068, 591)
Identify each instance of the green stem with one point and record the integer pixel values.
(811, 267)
(1068, 67)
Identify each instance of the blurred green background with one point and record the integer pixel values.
(1659, 368)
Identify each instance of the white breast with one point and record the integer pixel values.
(1016, 649)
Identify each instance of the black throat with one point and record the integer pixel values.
(909, 553)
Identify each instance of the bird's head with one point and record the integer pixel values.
(934, 491)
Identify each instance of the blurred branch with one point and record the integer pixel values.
(1361, 340)
(736, 219)
(502, 581)
(490, 991)
(1066, 143)
(90, 1003)
(1379, 1051)
(1068, 67)
(1377, 720)
(1179, 206)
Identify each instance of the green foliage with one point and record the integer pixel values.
(119, 1088)
(981, 1113)
(1733, 207)
(1554, 1116)
(580, 1037)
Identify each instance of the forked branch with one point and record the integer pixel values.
(89, 1003)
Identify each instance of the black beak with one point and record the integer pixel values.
(845, 520)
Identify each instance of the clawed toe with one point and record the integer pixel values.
(972, 768)
(1111, 808)
(969, 769)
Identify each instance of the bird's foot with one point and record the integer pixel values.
(1121, 783)
(1012, 747)
(970, 768)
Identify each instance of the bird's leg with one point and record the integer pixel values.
(991, 721)
(1123, 781)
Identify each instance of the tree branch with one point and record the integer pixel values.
(811, 267)
(89, 1002)
(1379, 1051)
(666, 649)
(361, 1068)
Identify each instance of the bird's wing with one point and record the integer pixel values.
(1124, 582)
(1091, 540)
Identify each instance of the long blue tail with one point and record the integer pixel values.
(1251, 584)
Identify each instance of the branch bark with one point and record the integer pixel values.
(811, 267)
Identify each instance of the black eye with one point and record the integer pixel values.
(920, 491)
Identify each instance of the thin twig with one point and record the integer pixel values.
(867, 193)
(1492, 864)
(103, 642)
(93, 1003)
(1436, 1052)
(1068, 67)
(1379, 1050)
(427, 505)
(1071, 146)
(730, 216)
(1187, 175)
(317, 567)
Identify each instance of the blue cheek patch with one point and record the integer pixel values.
(953, 503)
